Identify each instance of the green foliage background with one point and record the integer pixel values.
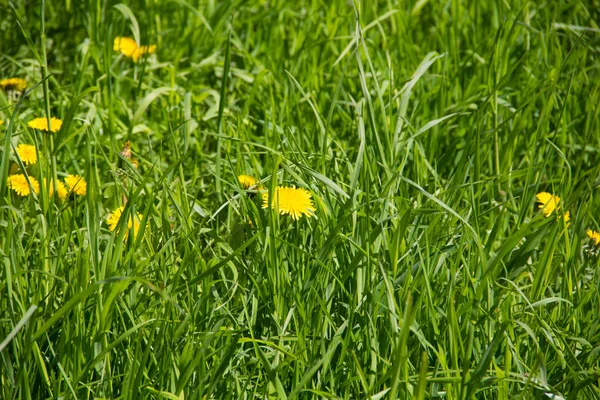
(424, 130)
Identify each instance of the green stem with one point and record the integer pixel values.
(48, 144)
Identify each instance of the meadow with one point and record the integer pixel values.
(274, 199)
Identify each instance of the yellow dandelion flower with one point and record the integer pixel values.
(13, 84)
(567, 217)
(27, 154)
(19, 184)
(140, 51)
(42, 124)
(125, 45)
(76, 184)
(247, 181)
(1, 122)
(129, 48)
(134, 220)
(61, 191)
(595, 236)
(548, 203)
(295, 202)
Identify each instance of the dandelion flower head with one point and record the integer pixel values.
(125, 45)
(595, 236)
(247, 181)
(42, 124)
(19, 184)
(13, 84)
(548, 203)
(27, 154)
(129, 48)
(139, 53)
(76, 184)
(61, 191)
(296, 202)
(567, 217)
(133, 220)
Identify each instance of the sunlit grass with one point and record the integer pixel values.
(440, 239)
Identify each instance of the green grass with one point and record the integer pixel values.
(423, 129)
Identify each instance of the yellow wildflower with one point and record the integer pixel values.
(125, 45)
(13, 84)
(549, 203)
(247, 181)
(292, 201)
(76, 184)
(27, 154)
(61, 191)
(134, 220)
(129, 48)
(19, 184)
(139, 53)
(42, 124)
(595, 236)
